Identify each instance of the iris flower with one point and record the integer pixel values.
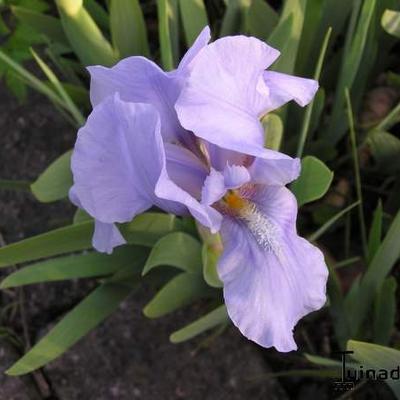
(190, 142)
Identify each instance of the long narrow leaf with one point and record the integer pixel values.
(214, 318)
(78, 266)
(84, 35)
(46, 24)
(83, 318)
(180, 291)
(128, 29)
(168, 32)
(145, 230)
(69, 104)
(194, 18)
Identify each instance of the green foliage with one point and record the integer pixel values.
(54, 183)
(181, 290)
(211, 320)
(273, 131)
(314, 181)
(168, 32)
(178, 250)
(194, 18)
(391, 22)
(128, 30)
(77, 266)
(385, 311)
(102, 302)
(84, 35)
(377, 357)
(260, 19)
(144, 230)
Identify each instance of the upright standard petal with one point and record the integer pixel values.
(138, 79)
(272, 277)
(201, 41)
(283, 88)
(224, 97)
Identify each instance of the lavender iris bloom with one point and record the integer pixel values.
(207, 159)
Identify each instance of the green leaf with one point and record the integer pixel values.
(391, 22)
(145, 230)
(260, 19)
(59, 241)
(309, 111)
(210, 256)
(377, 357)
(180, 291)
(10, 184)
(168, 32)
(310, 39)
(31, 80)
(81, 216)
(234, 17)
(375, 233)
(356, 165)
(84, 35)
(177, 249)
(216, 317)
(385, 311)
(381, 264)
(98, 13)
(102, 302)
(318, 233)
(385, 149)
(353, 53)
(47, 25)
(128, 29)
(328, 362)
(290, 27)
(314, 181)
(194, 18)
(273, 131)
(59, 88)
(53, 184)
(78, 266)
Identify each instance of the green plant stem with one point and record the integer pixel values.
(319, 232)
(357, 173)
(389, 120)
(307, 117)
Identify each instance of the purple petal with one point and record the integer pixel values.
(185, 169)
(117, 160)
(224, 96)
(271, 276)
(284, 88)
(139, 80)
(274, 168)
(206, 215)
(201, 41)
(220, 157)
(217, 183)
(235, 176)
(106, 237)
(214, 188)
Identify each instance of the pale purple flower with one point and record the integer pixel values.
(134, 152)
